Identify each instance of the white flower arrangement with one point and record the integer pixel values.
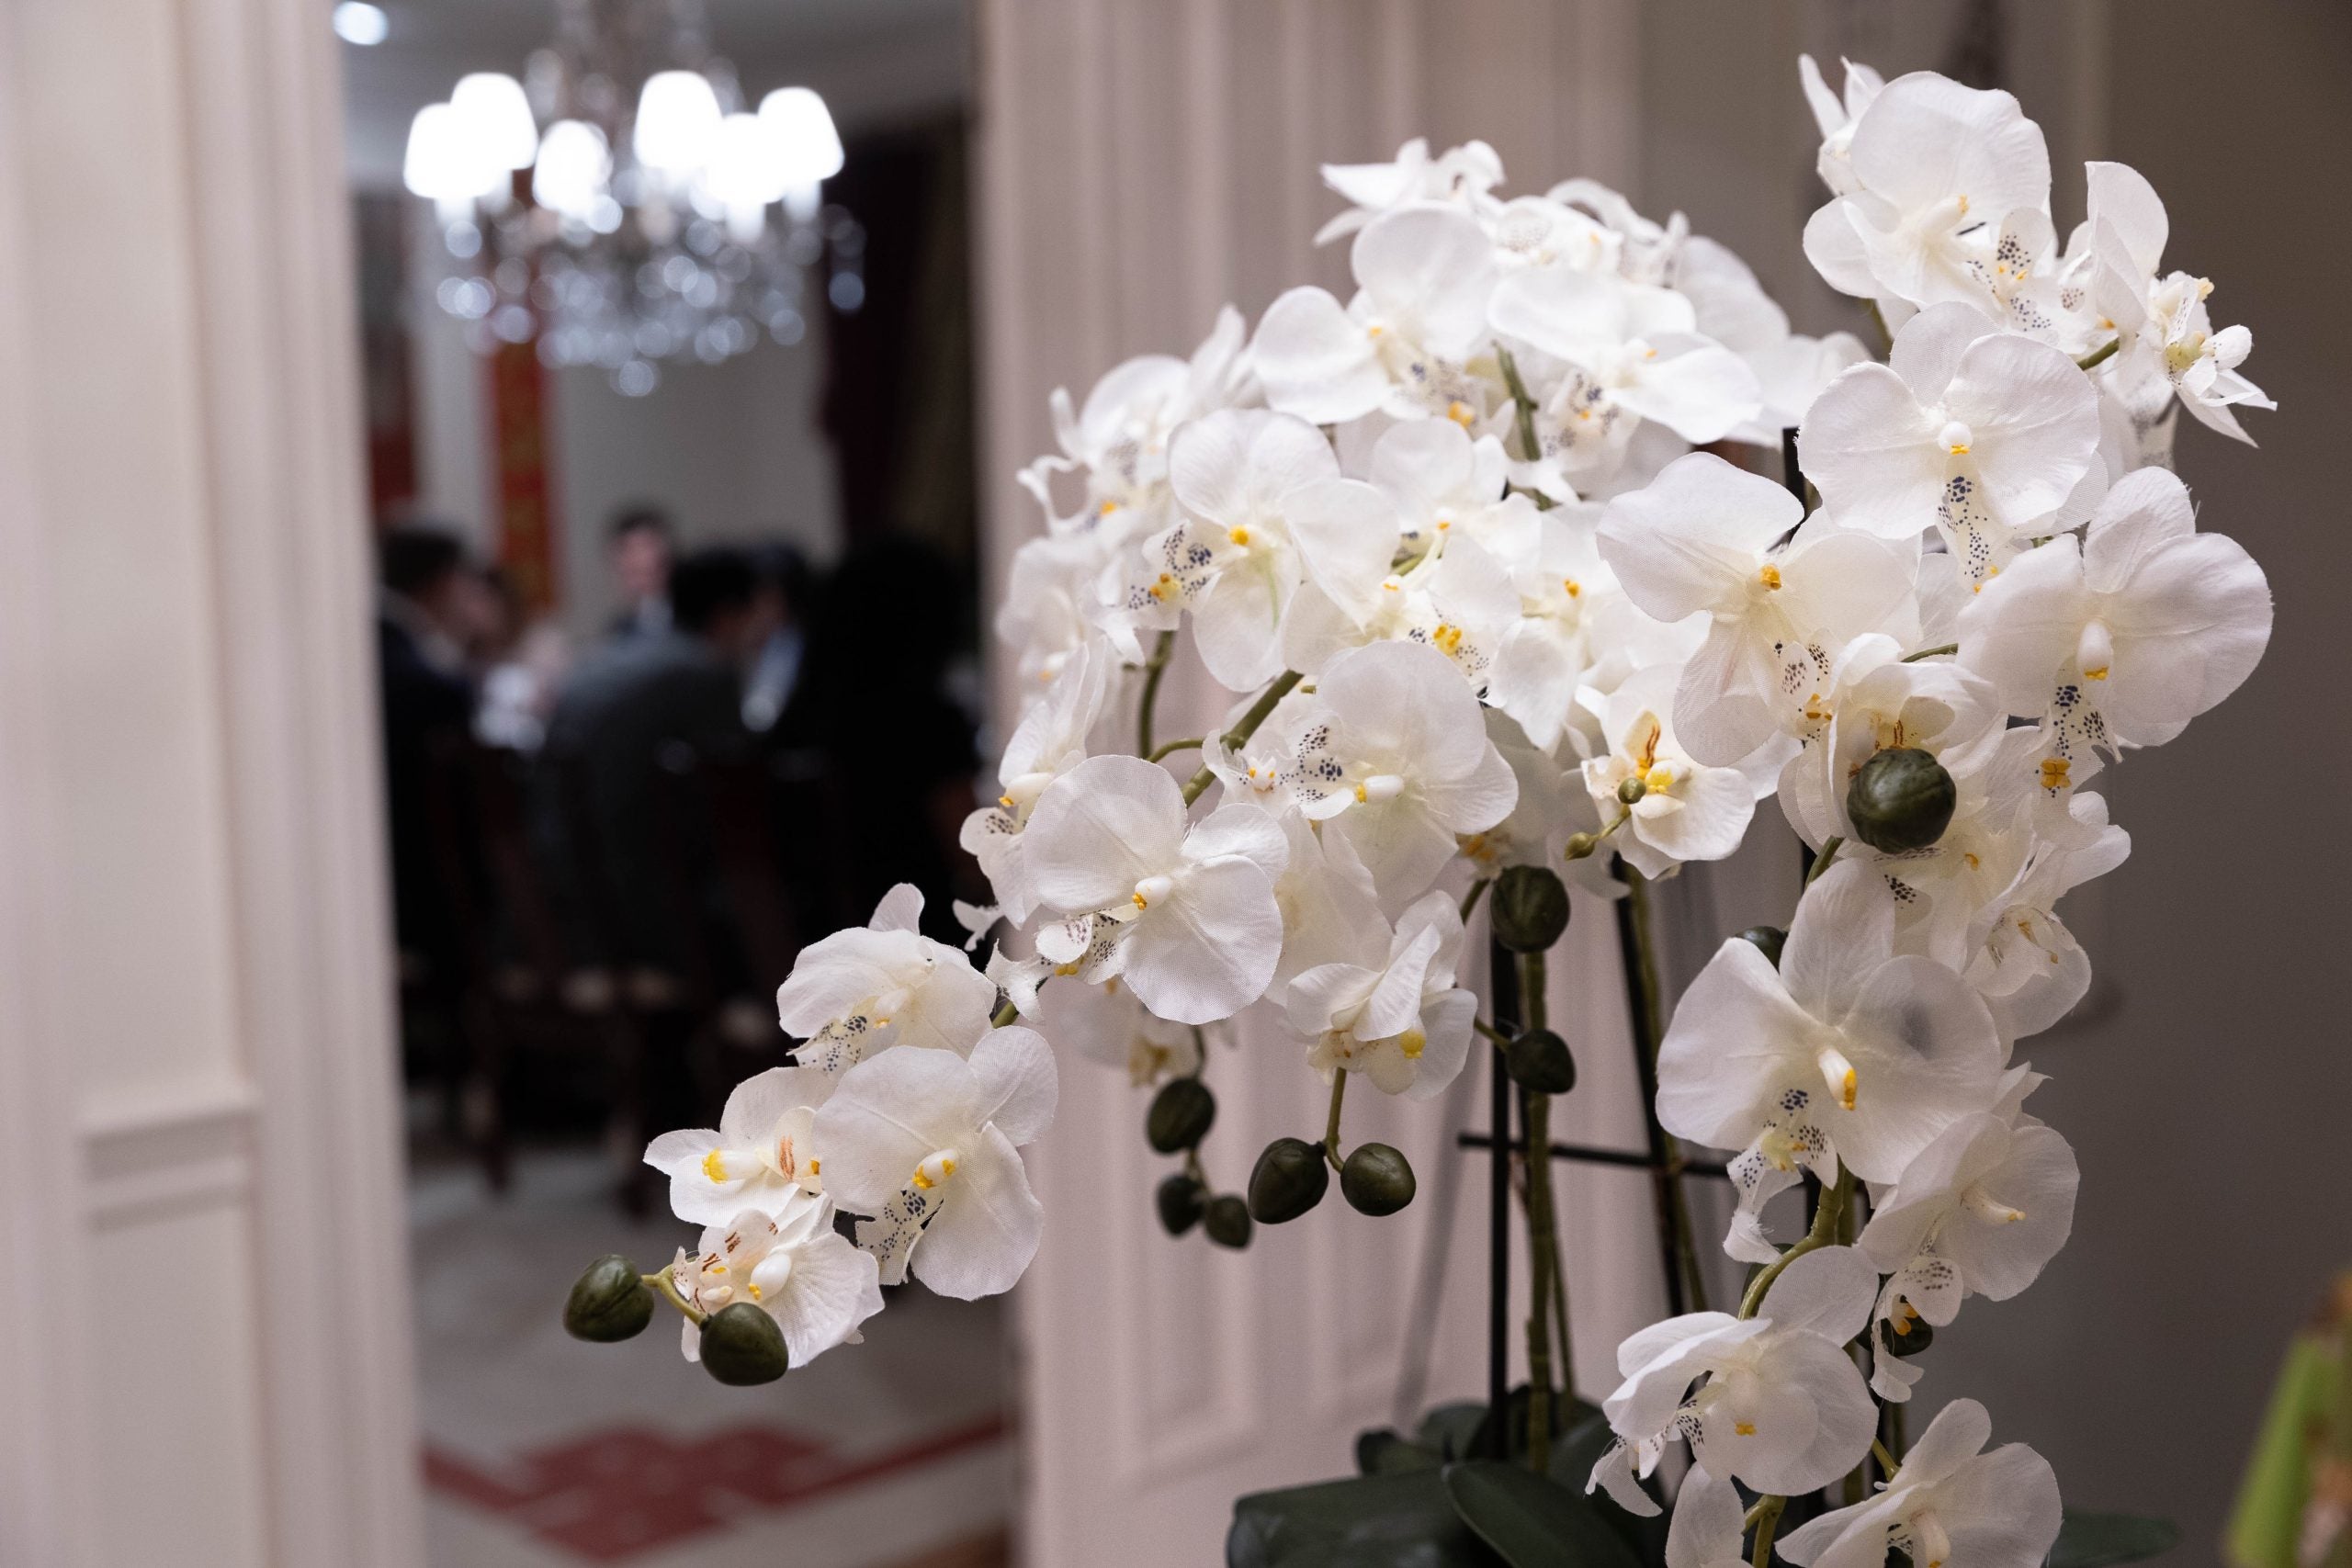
(1490, 621)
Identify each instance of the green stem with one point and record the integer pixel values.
(1768, 1521)
(1266, 702)
(1332, 1126)
(1543, 1230)
(1821, 861)
(1652, 1026)
(1530, 450)
(1007, 1015)
(1470, 899)
(1154, 668)
(1885, 1460)
(1491, 1032)
(1167, 749)
(1942, 647)
(1824, 1231)
(667, 1288)
(2099, 356)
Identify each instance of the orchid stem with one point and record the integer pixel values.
(1154, 668)
(1168, 749)
(1821, 861)
(1470, 899)
(2099, 356)
(1267, 700)
(667, 1286)
(1940, 648)
(1525, 406)
(1332, 1126)
(1491, 1033)
(1824, 1231)
(1649, 1030)
(1768, 1521)
(1885, 1459)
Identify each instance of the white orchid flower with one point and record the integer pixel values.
(1708, 1524)
(1869, 700)
(1780, 1408)
(1845, 1049)
(1331, 909)
(1054, 599)
(1733, 308)
(1535, 231)
(1981, 431)
(2022, 958)
(1187, 918)
(1935, 168)
(1570, 604)
(1460, 602)
(1648, 252)
(759, 1155)
(1392, 756)
(1447, 487)
(2167, 338)
(1979, 1212)
(1837, 116)
(1950, 1506)
(1686, 809)
(858, 991)
(1264, 510)
(1703, 537)
(1404, 345)
(2125, 638)
(790, 1263)
(1631, 352)
(928, 1144)
(1050, 739)
(1397, 1018)
(1463, 175)
(1104, 1023)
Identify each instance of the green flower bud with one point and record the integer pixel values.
(1181, 1203)
(1539, 1062)
(1290, 1178)
(1769, 941)
(1228, 1221)
(1901, 800)
(609, 1302)
(1530, 909)
(1580, 845)
(1376, 1180)
(1180, 1115)
(1914, 1335)
(742, 1345)
(1630, 789)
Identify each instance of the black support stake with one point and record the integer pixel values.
(1503, 985)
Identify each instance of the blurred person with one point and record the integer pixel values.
(775, 668)
(519, 664)
(644, 543)
(626, 706)
(428, 704)
(873, 706)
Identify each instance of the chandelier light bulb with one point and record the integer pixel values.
(741, 178)
(444, 164)
(574, 166)
(497, 119)
(357, 22)
(802, 143)
(677, 122)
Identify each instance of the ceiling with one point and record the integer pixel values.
(874, 61)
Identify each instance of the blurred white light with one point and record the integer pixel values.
(803, 146)
(444, 164)
(574, 164)
(497, 116)
(357, 22)
(742, 176)
(677, 121)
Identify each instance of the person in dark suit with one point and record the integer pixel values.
(643, 545)
(427, 707)
(633, 706)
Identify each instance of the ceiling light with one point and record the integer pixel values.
(357, 22)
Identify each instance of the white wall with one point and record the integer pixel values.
(204, 1354)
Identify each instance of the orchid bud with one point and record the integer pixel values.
(1228, 1221)
(1180, 1115)
(1901, 800)
(609, 1302)
(742, 1345)
(1539, 1062)
(1289, 1179)
(1181, 1203)
(1376, 1180)
(1580, 845)
(1769, 941)
(1630, 789)
(1530, 909)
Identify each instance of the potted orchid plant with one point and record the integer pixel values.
(1550, 558)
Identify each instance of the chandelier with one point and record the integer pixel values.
(619, 207)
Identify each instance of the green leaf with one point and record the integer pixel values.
(1375, 1521)
(1532, 1522)
(2094, 1541)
